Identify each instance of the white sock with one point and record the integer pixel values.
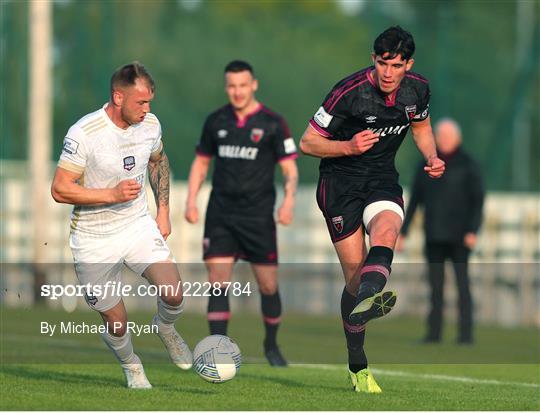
(121, 347)
(167, 315)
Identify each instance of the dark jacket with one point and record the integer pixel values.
(452, 204)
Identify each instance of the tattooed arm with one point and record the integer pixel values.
(290, 183)
(158, 175)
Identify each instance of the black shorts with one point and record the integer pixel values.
(342, 201)
(250, 238)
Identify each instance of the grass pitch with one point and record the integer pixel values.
(77, 372)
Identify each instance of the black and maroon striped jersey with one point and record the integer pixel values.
(356, 104)
(246, 153)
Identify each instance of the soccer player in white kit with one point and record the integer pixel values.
(102, 171)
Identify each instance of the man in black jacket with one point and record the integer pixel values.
(452, 218)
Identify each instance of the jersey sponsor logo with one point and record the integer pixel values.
(371, 119)
(289, 146)
(322, 118)
(389, 130)
(256, 135)
(410, 111)
(338, 223)
(222, 133)
(238, 152)
(70, 146)
(129, 163)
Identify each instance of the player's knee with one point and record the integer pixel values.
(215, 277)
(268, 288)
(173, 300)
(385, 237)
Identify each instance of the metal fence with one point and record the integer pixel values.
(505, 270)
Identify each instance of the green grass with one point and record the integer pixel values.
(76, 372)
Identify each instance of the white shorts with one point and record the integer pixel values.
(99, 260)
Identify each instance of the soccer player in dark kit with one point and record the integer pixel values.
(356, 133)
(247, 139)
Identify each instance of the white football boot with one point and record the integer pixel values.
(135, 377)
(179, 351)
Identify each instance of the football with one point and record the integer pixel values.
(217, 358)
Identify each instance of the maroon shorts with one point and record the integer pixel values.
(342, 201)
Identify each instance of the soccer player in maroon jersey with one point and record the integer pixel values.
(247, 140)
(356, 133)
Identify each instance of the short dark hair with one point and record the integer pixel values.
(394, 41)
(237, 66)
(128, 74)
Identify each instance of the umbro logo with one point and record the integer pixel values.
(222, 133)
(371, 119)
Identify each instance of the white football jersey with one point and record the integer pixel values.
(105, 155)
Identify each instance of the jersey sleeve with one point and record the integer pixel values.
(158, 143)
(333, 112)
(423, 103)
(284, 145)
(74, 151)
(207, 145)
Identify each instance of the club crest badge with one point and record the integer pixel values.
(338, 223)
(256, 135)
(129, 163)
(411, 111)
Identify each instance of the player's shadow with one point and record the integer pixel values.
(292, 383)
(173, 389)
(85, 379)
(71, 377)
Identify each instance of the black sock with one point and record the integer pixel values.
(353, 334)
(375, 271)
(218, 313)
(271, 311)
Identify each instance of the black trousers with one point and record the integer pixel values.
(437, 253)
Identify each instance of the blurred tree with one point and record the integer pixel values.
(14, 79)
(299, 50)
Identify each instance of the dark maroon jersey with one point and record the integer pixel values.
(246, 154)
(356, 104)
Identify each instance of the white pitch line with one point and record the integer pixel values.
(382, 372)
(441, 377)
